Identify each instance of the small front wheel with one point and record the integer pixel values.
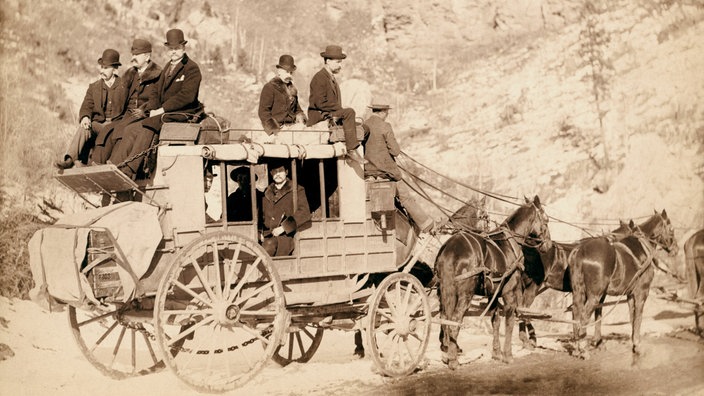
(399, 324)
(300, 346)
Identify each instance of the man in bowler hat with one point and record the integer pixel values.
(102, 104)
(139, 82)
(326, 102)
(175, 99)
(278, 102)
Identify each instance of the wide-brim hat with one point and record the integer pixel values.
(141, 46)
(110, 58)
(174, 37)
(333, 52)
(286, 62)
(379, 106)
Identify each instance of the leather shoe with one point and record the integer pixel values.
(65, 163)
(354, 156)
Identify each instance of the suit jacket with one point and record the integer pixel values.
(95, 104)
(178, 93)
(139, 89)
(277, 208)
(324, 97)
(380, 149)
(276, 107)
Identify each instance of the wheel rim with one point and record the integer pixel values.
(219, 312)
(301, 344)
(115, 346)
(399, 324)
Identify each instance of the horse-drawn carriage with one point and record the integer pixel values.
(174, 266)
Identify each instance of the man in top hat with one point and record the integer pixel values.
(326, 102)
(278, 102)
(140, 82)
(101, 105)
(281, 219)
(380, 149)
(174, 99)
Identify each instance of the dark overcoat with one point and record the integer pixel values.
(380, 149)
(324, 97)
(278, 209)
(95, 103)
(177, 93)
(278, 105)
(140, 88)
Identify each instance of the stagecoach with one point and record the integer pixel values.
(172, 277)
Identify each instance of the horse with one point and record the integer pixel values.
(467, 264)
(694, 261)
(550, 269)
(601, 267)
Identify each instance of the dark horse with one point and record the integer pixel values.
(694, 261)
(600, 267)
(470, 263)
(550, 269)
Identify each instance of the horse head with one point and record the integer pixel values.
(472, 215)
(530, 222)
(659, 229)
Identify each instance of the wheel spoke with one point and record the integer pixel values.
(134, 350)
(300, 343)
(218, 278)
(94, 319)
(254, 293)
(290, 346)
(406, 299)
(308, 333)
(118, 343)
(107, 332)
(256, 334)
(191, 293)
(231, 271)
(387, 315)
(207, 311)
(243, 280)
(203, 281)
(190, 330)
(149, 346)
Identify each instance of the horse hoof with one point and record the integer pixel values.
(359, 352)
(453, 365)
(507, 359)
(596, 344)
(497, 356)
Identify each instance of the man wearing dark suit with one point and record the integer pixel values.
(278, 102)
(326, 102)
(102, 104)
(139, 82)
(175, 99)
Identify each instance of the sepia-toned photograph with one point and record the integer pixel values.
(351, 197)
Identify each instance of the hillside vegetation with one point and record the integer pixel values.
(596, 106)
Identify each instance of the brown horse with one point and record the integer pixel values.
(470, 263)
(550, 269)
(694, 258)
(600, 267)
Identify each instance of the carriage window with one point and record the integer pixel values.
(211, 190)
(239, 193)
(319, 179)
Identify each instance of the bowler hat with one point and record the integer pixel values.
(378, 106)
(286, 63)
(110, 58)
(174, 37)
(333, 52)
(141, 46)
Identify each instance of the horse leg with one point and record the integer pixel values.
(510, 301)
(495, 323)
(597, 340)
(579, 295)
(641, 295)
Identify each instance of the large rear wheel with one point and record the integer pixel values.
(399, 324)
(114, 344)
(219, 301)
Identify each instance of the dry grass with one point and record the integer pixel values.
(16, 228)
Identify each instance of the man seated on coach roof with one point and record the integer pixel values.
(280, 219)
(175, 99)
(103, 103)
(326, 100)
(278, 102)
(139, 82)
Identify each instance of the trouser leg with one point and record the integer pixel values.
(348, 126)
(415, 210)
(76, 149)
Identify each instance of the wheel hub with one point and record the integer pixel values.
(232, 312)
(406, 326)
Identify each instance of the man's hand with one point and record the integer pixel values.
(277, 231)
(138, 113)
(156, 112)
(85, 123)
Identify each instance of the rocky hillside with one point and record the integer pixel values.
(596, 106)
